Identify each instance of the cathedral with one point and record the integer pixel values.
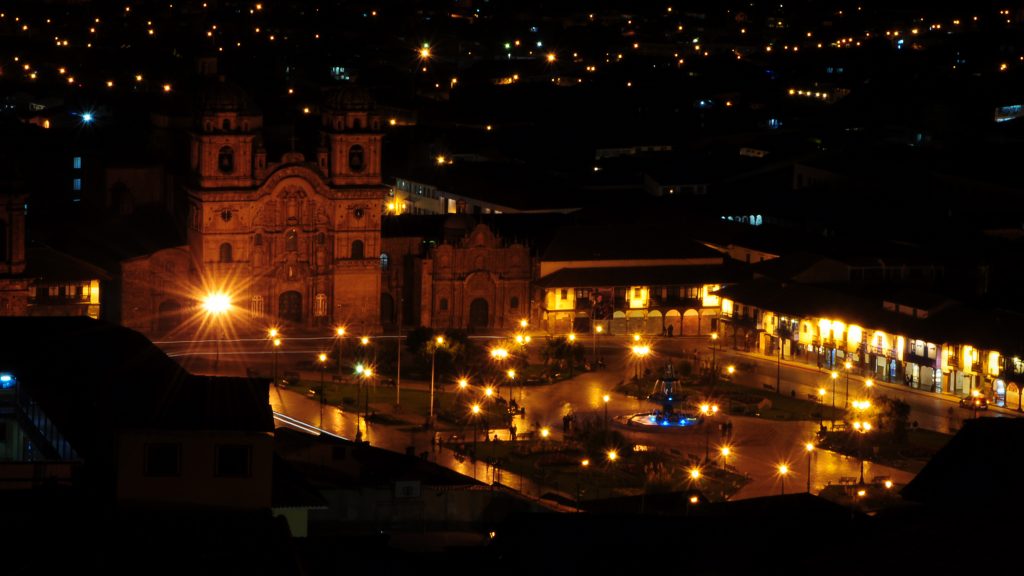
(295, 242)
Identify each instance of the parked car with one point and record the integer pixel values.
(975, 400)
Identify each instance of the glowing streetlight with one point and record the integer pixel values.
(216, 305)
(606, 399)
(862, 428)
(835, 376)
(545, 433)
(714, 349)
(322, 358)
(707, 410)
(597, 330)
(524, 323)
(340, 333)
(276, 342)
(725, 451)
(809, 447)
(613, 455)
(783, 470)
(846, 400)
(475, 414)
(438, 341)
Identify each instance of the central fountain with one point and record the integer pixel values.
(667, 395)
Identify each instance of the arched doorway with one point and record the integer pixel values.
(654, 323)
(619, 322)
(387, 309)
(478, 314)
(289, 307)
(691, 322)
(1013, 399)
(674, 321)
(168, 316)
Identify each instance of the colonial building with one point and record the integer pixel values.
(296, 241)
(455, 273)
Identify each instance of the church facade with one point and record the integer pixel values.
(294, 243)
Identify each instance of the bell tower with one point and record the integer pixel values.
(351, 133)
(225, 141)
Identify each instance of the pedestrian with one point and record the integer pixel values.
(565, 423)
(671, 328)
(512, 432)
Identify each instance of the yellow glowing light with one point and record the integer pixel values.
(425, 52)
(364, 340)
(488, 391)
(216, 303)
(272, 333)
(392, 121)
(695, 473)
(476, 408)
(731, 369)
(545, 432)
(167, 87)
(613, 455)
(809, 447)
(463, 383)
(441, 159)
(585, 462)
(305, 110)
(572, 337)
(322, 358)
(783, 469)
(606, 398)
(524, 323)
(551, 57)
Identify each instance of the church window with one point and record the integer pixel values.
(514, 302)
(291, 241)
(77, 162)
(356, 161)
(225, 215)
(225, 252)
(357, 250)
(256, 306)
(321, 238)
(226, 125)
(320, 305)
(444, 303)
(384, 260)
(226, 160)
(258, 240)
(357, 124)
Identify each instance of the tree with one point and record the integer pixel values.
(563, 352)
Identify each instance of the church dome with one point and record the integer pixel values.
(223, 96)
(347, 98)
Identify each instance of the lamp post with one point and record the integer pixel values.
(217, 305)
(368, 376)
(606, 398)
(276, 343)
(438, 341)
(809, 447)
(783, 470)
(511, 373)
(834, 375)
(868, 385)
(725, 451)
(584, 464)
(778, 369)
(597, 330)
(323, 368)
(714, 348)
(499, 355)
(474, 412)
(571, 339)
(846, 400)
(340, 332)
(862, 428)
(821, 406)
(707, 411)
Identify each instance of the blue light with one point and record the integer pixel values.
(87, 117)
(6, 381)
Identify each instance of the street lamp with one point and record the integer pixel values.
(868, 385)
(511, 373)
(276, 343)
(809, 447)
(725, 450)
(216, 305)
(783, 470)
(368, 377)
(474, 412)
(439, 341)
(606, 398)
(340, 332)
(500, 355)
(834, 375)
(641, 352)
(323, 368)
(707, 410)
(821, 403)
(597, 330)
(846, 400)
(714, 348)
(862, 428)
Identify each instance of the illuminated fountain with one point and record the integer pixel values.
(667, 395)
